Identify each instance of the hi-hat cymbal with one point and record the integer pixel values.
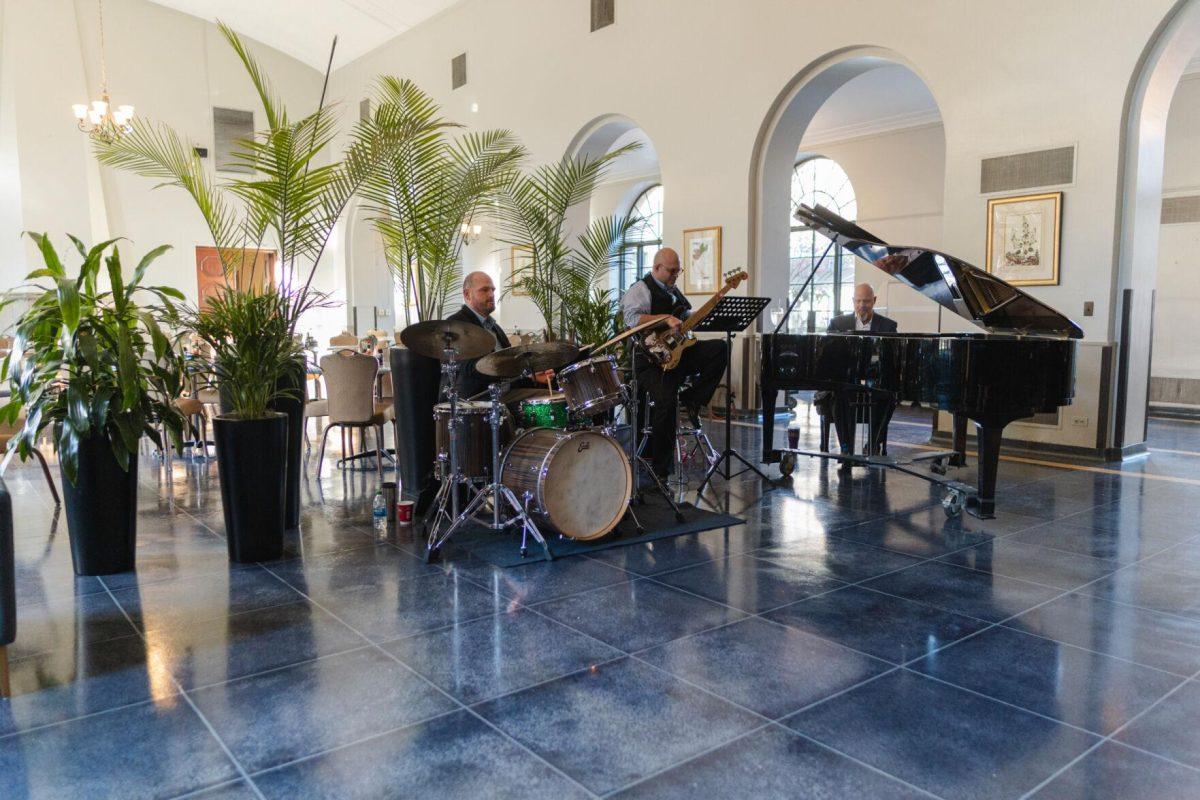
(448, 340)
(511, 362)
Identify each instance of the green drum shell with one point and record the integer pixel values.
(545, 412)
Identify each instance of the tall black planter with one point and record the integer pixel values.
(252, 463)
(293, 406)
(101, 510)
(415, 380)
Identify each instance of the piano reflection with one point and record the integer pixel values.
(1022, 365)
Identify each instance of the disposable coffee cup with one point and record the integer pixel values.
(404, 512)
(793, 438)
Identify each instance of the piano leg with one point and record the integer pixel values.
(768, 392)
(987, 435)
(959, 459)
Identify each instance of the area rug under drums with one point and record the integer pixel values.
(503, 549)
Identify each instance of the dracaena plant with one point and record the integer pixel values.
(89, 361)
(423, 193)
(290, 200)
(562, 278)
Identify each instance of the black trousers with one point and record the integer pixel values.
(704, 362)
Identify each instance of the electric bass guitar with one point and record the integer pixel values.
(666, 347)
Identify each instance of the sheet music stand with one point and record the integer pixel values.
(731, 315)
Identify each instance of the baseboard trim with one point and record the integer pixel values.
(1023, 447)
(1174, 411)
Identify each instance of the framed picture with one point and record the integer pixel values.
(520, 258)
(1023, 235)
(701, 260)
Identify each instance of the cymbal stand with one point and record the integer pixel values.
(448, 491)
(498, 493)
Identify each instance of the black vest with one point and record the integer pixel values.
(664, 302)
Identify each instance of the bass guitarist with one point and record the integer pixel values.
(704, 361)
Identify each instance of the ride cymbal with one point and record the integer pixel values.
(448, 340)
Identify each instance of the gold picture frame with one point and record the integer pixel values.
(1024, 235)
(519, 257)
(702, 260)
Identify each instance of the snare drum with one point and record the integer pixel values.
(578, 482)
(474, 437)
(591, 386)
(545, 412)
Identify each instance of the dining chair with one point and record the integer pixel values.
(350, 392)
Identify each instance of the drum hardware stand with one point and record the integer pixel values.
(636, 461)
(733, 314)
(496, 491)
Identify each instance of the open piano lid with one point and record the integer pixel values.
(968, 291)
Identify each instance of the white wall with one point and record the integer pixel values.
(1177, 300)
(172, 67)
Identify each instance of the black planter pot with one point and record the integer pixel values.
(293, 406)
(252, 463)
(101, 510)
(415, 380)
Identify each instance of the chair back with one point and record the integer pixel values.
(350, 386)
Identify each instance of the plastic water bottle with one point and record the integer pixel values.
(379, 512)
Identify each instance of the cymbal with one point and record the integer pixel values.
(434, 337)
(513, 361)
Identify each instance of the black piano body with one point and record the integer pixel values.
(1023, 365)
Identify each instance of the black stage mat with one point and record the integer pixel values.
(503, 549)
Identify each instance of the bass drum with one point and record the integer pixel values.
(578, 482)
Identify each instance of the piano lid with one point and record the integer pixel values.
(973, 294)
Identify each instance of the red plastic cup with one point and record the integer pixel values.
(404, 511)
(793, 435)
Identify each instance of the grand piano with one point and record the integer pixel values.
(1023, 365)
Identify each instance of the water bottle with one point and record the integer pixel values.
(379, 512)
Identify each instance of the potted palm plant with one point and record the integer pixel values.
(291, 202)
(100, 370)
(560, 278)
(253, 354)
(418, 201)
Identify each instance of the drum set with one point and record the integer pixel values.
(555, 464)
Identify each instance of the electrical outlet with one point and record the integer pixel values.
(1080, 422)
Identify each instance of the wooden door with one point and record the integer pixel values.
(256, 270)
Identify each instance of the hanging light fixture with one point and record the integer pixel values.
(470, 231)
(99, 119)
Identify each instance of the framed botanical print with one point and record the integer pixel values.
(1023, 235)
(701, 260)
(520, 257)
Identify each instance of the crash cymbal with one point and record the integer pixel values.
(434, 338)
(511, 362)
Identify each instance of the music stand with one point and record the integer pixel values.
(729, 316)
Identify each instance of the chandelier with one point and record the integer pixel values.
(100, 120)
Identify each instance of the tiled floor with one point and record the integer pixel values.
(847, 641)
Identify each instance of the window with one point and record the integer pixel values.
(820, 181)
(644, 238)
(229, 127)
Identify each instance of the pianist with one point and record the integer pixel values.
(704, 361)
(864, 319)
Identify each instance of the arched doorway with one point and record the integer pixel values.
(1139, 215)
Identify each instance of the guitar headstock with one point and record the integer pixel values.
(734, 278)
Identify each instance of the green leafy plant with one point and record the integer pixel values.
(425, 191)
(247, 331)
(93, 362)
(560, 278)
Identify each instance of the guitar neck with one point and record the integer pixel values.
(700, 313)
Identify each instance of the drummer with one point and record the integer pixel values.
(704, 361)
(479, 301)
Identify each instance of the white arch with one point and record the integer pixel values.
(1139, 211)
(776, 147)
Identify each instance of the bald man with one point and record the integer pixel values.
(704, 362)
(479, 301)
(864, 319)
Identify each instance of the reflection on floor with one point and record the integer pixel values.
(848, 640)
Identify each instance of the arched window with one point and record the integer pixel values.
(820, 181)
(644, 238)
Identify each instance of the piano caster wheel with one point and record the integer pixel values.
(952, 503)
(938, 467)
(787, 464)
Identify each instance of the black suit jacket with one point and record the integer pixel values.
(845, 324)
(470, 381)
